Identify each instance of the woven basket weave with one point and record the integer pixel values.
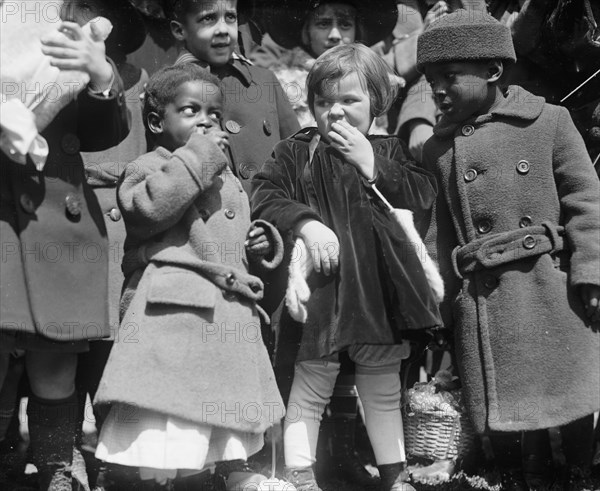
(437, 435)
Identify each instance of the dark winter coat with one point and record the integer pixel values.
(521, 201)
(192, 344)
(380, 288)
(256, 114)
(54, 247)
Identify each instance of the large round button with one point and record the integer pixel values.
(529, 242)
(523, 167)
(233, 126)
(484, 226)
(70, 144)
(73, 204)
(490, 281)
(267, 127)
(229, 213)
(230, 279)
(27, 203)
(470, 175)
(467, 130)
(525, 221)
(247, 170)
(114, 214)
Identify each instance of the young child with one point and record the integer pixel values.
(515, 230)
(256, 112)
(365, 289)
(192, 383)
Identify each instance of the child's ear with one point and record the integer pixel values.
(155, 123)
(495, 71)
(177, 30)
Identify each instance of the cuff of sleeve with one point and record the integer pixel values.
(275, 237)
(106, 92)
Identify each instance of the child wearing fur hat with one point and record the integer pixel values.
(318, 186)
(515, 231)
(194, 386)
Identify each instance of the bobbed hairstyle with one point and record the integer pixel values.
(340, 61)
(163, 84)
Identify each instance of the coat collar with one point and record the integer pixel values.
(518, 103)
(237, 62)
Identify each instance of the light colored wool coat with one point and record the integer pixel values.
(191, 344)
(528, 356)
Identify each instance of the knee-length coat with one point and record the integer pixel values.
(516, 231)
(190, 341)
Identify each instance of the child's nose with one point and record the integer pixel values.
(202, 119)
(336, 112)
(334, 34)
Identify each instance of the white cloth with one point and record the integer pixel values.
(140, 437)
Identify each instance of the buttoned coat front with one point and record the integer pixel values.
(191, 331)
(529, 357)
(54, 246)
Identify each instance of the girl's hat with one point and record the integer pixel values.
(465, 35)
(286, 19)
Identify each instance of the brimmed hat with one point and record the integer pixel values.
(465, 35)
(129, 30)
(286, 19)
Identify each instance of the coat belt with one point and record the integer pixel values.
(506, 247)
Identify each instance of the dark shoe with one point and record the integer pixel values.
(514, 480)
(538, 473)
(302, 478)
(237, 475)
(395, 477)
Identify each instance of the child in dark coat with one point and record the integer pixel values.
(365, 289)
(515, 230)
(193, 384)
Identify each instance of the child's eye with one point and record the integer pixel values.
(323, 24)
(231, 17)
(322, 103)
(188, 111)
(450, 76)
(207, 18)
(215, 116)
(346, 25)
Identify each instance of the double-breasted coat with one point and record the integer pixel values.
(194, 347)
(54, 246)
(516, 231)
(380, 288)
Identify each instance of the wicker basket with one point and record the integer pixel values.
(437, 435)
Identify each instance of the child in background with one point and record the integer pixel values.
(365, 291)
(515, 230)
(256, 112)
(194, 385)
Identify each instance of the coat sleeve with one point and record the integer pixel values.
(154, 192)
(579, 193)
(274, 194)
(103, 122)
(288, 121)
(400, 180)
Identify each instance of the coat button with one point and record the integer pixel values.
(470, 175)
(523, 167)
(114, 214)
(73, 205)
(529, 242)
(484, 226)
(230, 279)
(467, 130)
(27, 203)
(490, 281)
(229, 213)
(267, 127)
(70, 144)
(525, 221)
(233, 126)
(247, 170)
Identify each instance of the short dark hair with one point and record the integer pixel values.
(162, 86)
(340, 61)
(177, 9)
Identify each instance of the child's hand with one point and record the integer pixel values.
(72, 49)
(322, 243)
(354, 146)
(257, 242)
(591, 299)
(217, 135)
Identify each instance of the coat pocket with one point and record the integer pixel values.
(176, 286)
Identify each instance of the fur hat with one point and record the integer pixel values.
(286, 19)
(465, 35)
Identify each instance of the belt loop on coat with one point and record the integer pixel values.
(454, 258)
(553, 234)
